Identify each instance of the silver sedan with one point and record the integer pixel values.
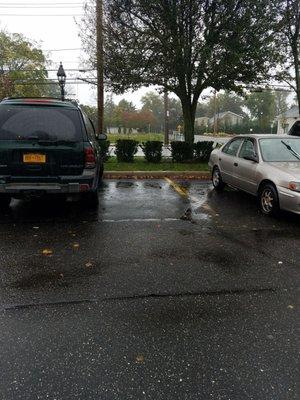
(267, 166)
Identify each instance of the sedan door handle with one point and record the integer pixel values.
(236, 164)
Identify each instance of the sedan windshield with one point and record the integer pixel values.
(280, 150)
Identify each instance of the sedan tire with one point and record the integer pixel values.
(268, 200)
(217, 180)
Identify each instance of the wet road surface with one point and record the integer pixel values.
(167, 291)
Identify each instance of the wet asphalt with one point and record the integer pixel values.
(167, 291)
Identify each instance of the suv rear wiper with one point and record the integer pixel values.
(295, 154)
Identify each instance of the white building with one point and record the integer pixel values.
(228, 118)
(286, 120)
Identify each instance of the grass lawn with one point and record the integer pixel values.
(140, 137)
(140, 164)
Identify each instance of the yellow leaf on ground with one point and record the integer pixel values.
(47, 252)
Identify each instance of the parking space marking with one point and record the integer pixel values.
(139, 220)
(184, 193)
(180, 190)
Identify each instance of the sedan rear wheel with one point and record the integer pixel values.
(217, 180)
(268, 200)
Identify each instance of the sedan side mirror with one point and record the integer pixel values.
(102, 136)
(251, 157)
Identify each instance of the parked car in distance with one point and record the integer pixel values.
(266, 166)
(47, 146)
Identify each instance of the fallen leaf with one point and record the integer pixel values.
(89, 265)
(47, 252)
(291, 307)
(140, 359)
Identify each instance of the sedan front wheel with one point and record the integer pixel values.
(217, 180)
(268, 200)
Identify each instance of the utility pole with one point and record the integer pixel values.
(167, 116)
(215, 113)
(100, 64)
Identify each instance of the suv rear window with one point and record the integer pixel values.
(19, 122)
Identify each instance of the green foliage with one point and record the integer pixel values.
(152, 150)
(104, 149)
(23, 68)
(186, 46)
(181, 151)
(126, 149)
(202, 151)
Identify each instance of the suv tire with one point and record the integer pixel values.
(4, 201)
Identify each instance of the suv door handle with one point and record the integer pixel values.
(236, 164)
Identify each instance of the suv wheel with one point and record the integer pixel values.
(217, 181)
(268, 200)
(4, 201)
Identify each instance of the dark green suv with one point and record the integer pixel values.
(47, 146)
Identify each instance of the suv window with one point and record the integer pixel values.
(89, 127)
(232, 147)
(18, 122)
(247, 149)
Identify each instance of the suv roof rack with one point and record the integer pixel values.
(40, 100)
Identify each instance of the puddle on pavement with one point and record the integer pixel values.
(154, 185)
(126, 185)
(41, 280)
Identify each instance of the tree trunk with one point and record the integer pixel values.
(189, 113)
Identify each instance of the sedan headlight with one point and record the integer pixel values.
(295, 186)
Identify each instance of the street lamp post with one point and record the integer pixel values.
(61, 76)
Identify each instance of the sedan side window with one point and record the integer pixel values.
(247, 149)
(232, 147)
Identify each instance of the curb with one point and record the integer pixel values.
(201, 175)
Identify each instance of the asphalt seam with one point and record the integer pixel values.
(12, 307)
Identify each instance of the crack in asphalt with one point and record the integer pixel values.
(222, 292)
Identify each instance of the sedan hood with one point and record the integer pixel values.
(291, 168)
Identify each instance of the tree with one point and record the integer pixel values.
(262, 107)
(226, 101)
(186, 46)
(154, 102)
(289, 43)
(23, 68)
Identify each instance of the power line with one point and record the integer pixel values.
(78, 48)
(40, 4)
(41, 15)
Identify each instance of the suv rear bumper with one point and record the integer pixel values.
(52, 185)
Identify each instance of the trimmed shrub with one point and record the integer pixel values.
(104, 149)
(152, 150)
(181, 151)
(202, 150)
(126, 149)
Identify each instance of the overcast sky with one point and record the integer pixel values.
(52, 23)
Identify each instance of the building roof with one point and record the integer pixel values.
(291, 113)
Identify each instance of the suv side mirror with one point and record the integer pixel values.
(251, 157)
(102, 136)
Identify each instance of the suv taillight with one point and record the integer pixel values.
(90, 158)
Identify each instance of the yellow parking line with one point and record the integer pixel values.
(184, 193)
(180, 190)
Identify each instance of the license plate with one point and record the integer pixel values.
(34, 158)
